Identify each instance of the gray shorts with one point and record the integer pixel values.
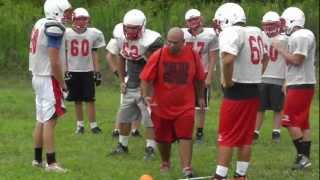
(133, 108)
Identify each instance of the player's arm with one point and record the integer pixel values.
(211, 65)
(265, 61)
(295, 58)
(112, 60)
(122, 73)
(199, 82)
(54, 32)
(227, 68)
(158, 43)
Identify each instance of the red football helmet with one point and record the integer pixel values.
(80, 19)
(272, 24)
(134, 23)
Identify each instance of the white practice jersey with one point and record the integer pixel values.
(276, 64)
(247, 45)
(79, 48)
(39, 62)
(132, 50)
(202, 43)
(112, 46)
(302, 42)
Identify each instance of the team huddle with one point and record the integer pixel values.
(166, 86)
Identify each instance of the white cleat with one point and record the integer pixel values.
(55, 168)
(35, 163)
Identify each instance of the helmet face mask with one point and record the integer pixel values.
(193, 19)
(134, 23)
(132, 32)
(194, 23)
(80, 19)
(271, 24)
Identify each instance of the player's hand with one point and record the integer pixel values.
(116, 73)
(202, 104)
(67, 76)
(207, 81)
(226, 84)
(97, 78)
(123, 87)
(147, 100)
(65, 92)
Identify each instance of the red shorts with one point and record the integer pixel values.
(297, 107)
(237, 122)
(169, 130)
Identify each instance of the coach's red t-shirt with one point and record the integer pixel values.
(173, 77)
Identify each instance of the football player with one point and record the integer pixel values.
(112, 60)
(46, 60)
(242, 62)
(300, 82)
(271, 88)
(83, 70)
(134, 44)
(205, 42)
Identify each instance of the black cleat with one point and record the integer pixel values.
(115, 133)
(96, 130)
(256, 136)
(149, 153)
(199, 137)
(80, 130)
(120, 149)
(276, 136)
(301, 162)
(135, 133)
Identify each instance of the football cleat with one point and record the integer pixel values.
(256, 136)
(165, 167)
(276, 136)
(199, 137)
(149, 153)
(135, 133)
(301, 162)
(38, 164)
(120, 149)
(96, 130)
(187, 172)
(115, 133)
(54, 167)
(80, 130)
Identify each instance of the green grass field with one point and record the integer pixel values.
(86, 155)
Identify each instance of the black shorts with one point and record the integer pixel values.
(207, 95)
(81, 87)
(271, 97)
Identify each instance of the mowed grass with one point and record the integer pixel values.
(86, 156)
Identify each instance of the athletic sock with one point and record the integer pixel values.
(93, 124)
(298, 144)
(242, 167)
(222, 171)
(124, 140)
(51, 158)
(306, 146)
(38, 154)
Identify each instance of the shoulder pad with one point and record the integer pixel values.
(54, 28)
(149, 37)
(118, 31)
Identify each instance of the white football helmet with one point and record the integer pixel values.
(271, 23)
(293, 17)
(56, 9)
(80, 19)
(193, 18)
(134, 22)
(227, 15)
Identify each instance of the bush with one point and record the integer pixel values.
(19, 17)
